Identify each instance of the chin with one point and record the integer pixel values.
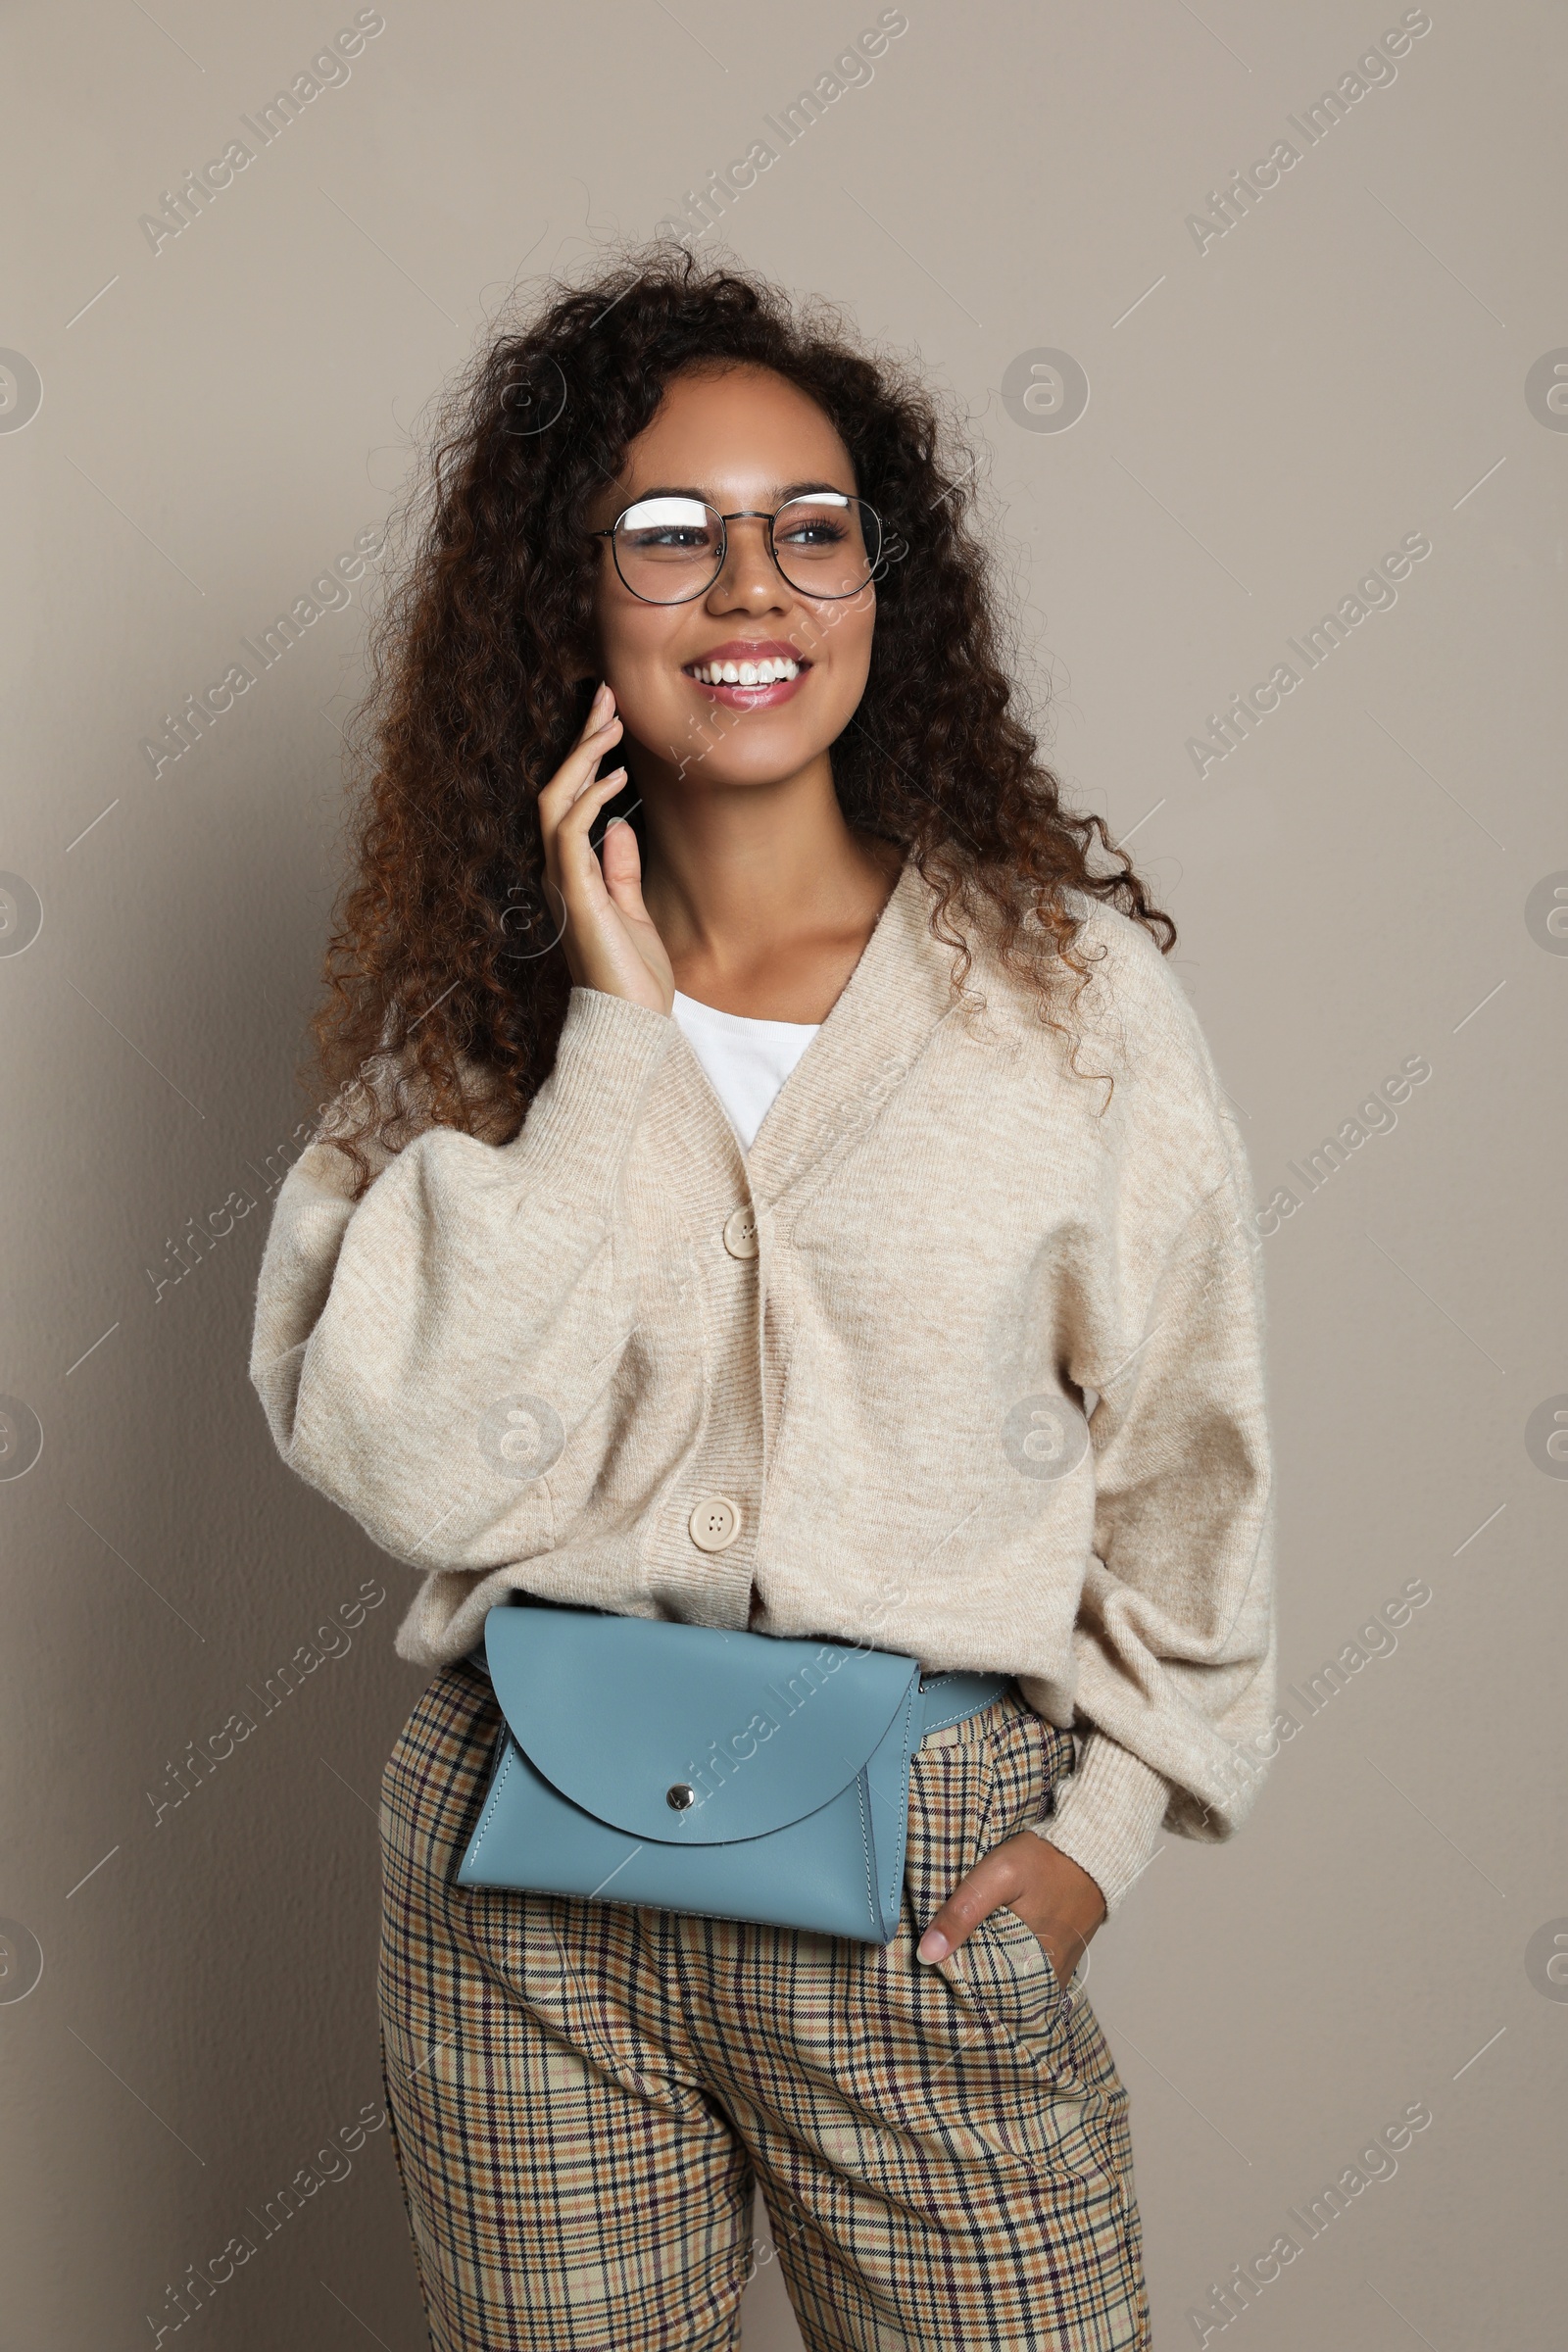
(769, 764)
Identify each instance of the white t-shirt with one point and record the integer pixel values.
(745, 1062)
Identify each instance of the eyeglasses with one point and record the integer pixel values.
(668, 550)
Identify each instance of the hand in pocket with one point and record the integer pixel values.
(1057, 1899)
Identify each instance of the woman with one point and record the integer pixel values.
(806, 1205)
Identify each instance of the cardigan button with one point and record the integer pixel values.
(740, 1232)
(715, 1523)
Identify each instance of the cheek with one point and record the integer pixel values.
(852, 658)
(639, 654)
(839, 639)
(617, 624)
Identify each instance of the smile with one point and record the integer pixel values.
(748, 679)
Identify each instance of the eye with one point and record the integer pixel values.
(675, 524)
(667, 534)
(815, 524)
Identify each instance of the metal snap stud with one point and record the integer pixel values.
(678, 1798)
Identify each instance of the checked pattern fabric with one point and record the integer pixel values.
(584, 2095)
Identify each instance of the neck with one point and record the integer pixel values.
(761, 893)
(733, 875)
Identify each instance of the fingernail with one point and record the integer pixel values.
(933, 1945)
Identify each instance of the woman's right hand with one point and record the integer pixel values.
(608, 938)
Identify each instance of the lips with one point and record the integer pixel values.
(749, 654)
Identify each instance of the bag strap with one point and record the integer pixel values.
(951, 1697)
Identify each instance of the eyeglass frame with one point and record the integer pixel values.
(746, 514)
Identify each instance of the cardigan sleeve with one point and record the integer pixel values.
(1175, 1639)
(471, 1284)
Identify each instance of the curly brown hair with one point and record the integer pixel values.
(444, 970)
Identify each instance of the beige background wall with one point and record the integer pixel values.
(1366, 879)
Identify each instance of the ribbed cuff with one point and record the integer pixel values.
(584, 1112)
(1107, 1817)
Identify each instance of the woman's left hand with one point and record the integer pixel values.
(1049, 1891)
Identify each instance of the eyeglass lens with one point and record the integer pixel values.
(670, 549)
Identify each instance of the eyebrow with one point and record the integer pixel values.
(778, 490)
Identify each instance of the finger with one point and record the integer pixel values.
(577, 767)
(580, 763)
(587, 803)
(993, 1881)
(620, 859)
(600, 716)
(578, 873)
(590, 781)
(567, 791)
(595, 740)
(599, 709)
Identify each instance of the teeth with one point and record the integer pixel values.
(767, 672)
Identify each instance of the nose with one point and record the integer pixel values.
(749, 579)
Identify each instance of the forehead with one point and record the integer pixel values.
(745, 433)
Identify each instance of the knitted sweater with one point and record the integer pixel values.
(837, 1386)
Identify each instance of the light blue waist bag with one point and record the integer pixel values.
(644, 1761)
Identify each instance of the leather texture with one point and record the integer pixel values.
(691, 1769)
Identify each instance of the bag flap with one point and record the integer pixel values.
(617, 1712)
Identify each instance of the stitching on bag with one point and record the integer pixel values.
(495, 1800)
(901, 1832)
(867, 1850)
(908, 1725)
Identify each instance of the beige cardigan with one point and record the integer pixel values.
(618, 1363)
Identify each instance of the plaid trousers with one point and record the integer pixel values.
(584, 2095)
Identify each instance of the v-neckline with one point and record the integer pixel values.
(861, 1048)
(900, 988)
